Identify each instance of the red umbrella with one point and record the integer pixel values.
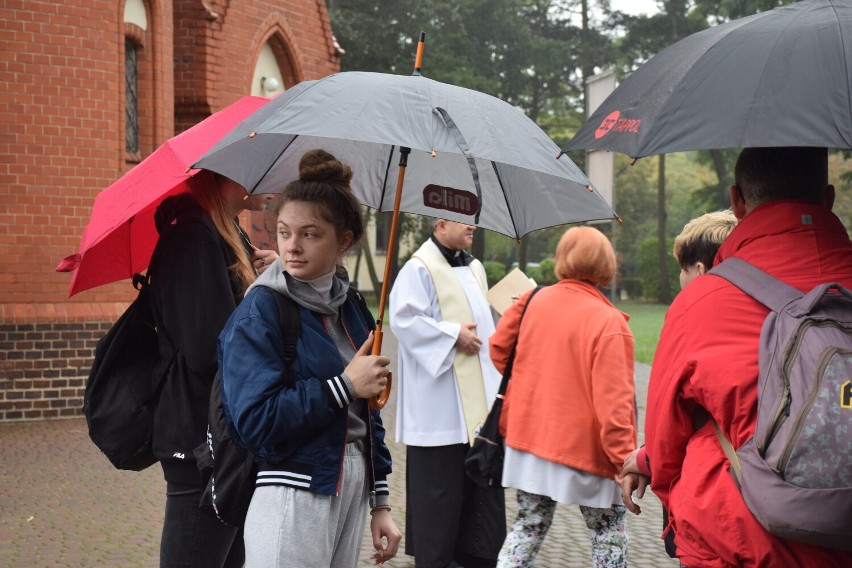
(120, 237)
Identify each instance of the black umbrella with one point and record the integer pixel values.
(778, 78)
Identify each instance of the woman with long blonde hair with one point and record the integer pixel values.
(200, 270)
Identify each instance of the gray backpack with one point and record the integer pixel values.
(795, 474)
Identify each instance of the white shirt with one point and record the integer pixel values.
(429, 410)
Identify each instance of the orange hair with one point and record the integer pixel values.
(584, 253)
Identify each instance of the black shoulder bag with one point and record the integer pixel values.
(484, 460)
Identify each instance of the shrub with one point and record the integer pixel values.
(547, 269)
(494, 271)
(646, 262)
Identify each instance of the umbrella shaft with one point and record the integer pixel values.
(403, 163)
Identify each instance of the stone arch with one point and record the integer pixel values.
(275, 33)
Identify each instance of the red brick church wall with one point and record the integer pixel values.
(62, 141)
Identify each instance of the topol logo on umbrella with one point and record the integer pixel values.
(777, 78)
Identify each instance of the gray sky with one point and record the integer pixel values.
(635, 7)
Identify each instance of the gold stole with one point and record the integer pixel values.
(455, 308)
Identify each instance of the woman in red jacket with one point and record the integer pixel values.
(569, 413)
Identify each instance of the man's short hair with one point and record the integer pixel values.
(700, 239)
(772, 174)
(584, 253)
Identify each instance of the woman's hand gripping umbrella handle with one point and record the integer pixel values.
(379, 402)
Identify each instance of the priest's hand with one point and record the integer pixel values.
(467, 340)
(368, 373)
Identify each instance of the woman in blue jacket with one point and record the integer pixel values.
(321, 454)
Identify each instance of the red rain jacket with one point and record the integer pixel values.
(707, 356)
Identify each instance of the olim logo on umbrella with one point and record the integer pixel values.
(777, 78)
(462, 155)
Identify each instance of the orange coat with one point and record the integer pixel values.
(571, 398)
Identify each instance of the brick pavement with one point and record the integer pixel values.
(62, 504)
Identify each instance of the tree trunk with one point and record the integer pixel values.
(664, 292)
(371, 270)
(478, 248)
(724, 177)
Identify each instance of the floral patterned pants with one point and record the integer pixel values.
(535, 515)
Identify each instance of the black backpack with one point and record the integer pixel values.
(230, 469)
(120, 393)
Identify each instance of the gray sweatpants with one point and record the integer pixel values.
(298, 528)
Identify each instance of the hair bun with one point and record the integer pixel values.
(319, 165)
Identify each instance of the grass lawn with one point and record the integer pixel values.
(646, 321)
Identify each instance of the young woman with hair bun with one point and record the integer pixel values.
(322, 459)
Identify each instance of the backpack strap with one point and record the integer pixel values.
(359, 300)
(288, 316)
(730, 453)
(764, 288)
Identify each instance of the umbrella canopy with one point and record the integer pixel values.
(120, 237)
(474, 158)
(469, 157)
(778, 78)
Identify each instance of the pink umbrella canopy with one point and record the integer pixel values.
(120, 237)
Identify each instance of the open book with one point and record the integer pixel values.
(509, 289)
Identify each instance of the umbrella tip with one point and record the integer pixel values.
(633, 161)
(590, 188)
(69, 263)
(619, 220)
(252, 134)
(434, 153)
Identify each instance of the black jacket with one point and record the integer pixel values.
(192, 296)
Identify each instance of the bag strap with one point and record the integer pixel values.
(288, 316)
(507, 372)
(359, 300)
(761, 286)
(731, 454)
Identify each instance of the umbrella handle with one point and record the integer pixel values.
(378, 402)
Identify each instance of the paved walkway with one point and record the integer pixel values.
(62, 504)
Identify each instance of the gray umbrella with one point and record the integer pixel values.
(469, 157)
(474, 158)
(778, 78)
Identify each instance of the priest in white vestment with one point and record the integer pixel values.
(446, 384)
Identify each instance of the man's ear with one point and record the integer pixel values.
(738, 205)
(700, 268)
(828, 196)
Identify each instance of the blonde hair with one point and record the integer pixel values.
(584, 253)
(207, 191)
(701, 238)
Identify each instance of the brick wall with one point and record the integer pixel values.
(45, 356)
(62, 141)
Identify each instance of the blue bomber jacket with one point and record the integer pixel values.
(298, 426)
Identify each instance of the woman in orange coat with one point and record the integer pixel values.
(569, 414)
